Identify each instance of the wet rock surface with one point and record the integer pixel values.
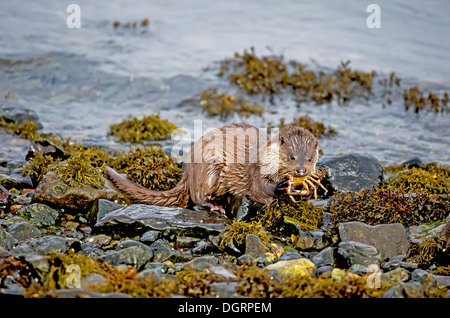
(352, 172)
(177, 220)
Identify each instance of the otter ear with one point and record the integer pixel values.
(282, 141)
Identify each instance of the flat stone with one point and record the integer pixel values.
(389, 239)
(201, 263)
(162, 250)
(324, 257)
(179, 221)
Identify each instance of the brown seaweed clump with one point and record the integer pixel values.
(431, 178)
(224, 105)
(77, 171)
(274, 216)
(256, 282)
(136, 130)
(386, 205)
(27, 129)
(317, 128)
(271, 75)
(157, 172)
(416, 99)
(431, 251)
(236, 232)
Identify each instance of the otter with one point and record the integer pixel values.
(231, 162)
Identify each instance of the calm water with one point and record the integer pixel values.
(80, 81)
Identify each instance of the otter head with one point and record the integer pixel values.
(298, 151)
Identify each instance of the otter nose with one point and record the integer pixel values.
(301, 172)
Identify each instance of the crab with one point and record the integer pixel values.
(309, 181)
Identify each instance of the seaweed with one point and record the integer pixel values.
(256, 282)
(236, 232)
(38, 166)
(271, 75)
(386, 205)
(77, 171)
(136, 130)
(274, 216)
(193, 283)
(224, 105)
(156, 172)
(416, 99)
(431, 178)
(317, 128)
(27, 129)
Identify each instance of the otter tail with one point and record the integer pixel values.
(177, 196)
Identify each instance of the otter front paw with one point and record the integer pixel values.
(283, 186)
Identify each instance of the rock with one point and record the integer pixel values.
(150, 236)
(417, 233)
(324, 257)
(129, 243)
(397, 261)
(23, 231)
(294, 268)
(100, 239)
(159, 268)
(202, 247)
(351, 172)
(39, 215)
(308, 239)
(358, 269)
(7, 241)
(201, 263)
(47, 244)
(254, 247)
(398, 275)
(46, 148)
(178, 221)
(19, 115)
(101, 208)
(223, 272)
(403, 290)
(56, 192)
(9, 182)
(186, 242)
(162, 250)
(420, 275)
(225, 289)
(349, 253)
(388, 239)
(287, 256)
(39, 263)
(134, 255)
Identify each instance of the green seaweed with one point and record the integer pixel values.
(136, 130)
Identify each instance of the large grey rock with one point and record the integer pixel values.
(187, 222)
(350, 253)
(389, 239)
(351, 172)
(45, 245)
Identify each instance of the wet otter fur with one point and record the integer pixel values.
(230, 162)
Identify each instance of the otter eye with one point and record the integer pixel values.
(293, 158)
(309, 160)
